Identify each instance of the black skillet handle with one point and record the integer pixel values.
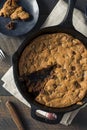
(67, 21)
(44, 119)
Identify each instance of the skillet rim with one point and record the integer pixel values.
(28, 41)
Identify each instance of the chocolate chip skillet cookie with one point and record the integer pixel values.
(67, 82)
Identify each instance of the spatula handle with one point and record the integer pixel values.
(14, 115)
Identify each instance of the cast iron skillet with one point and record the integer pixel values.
(67, 27)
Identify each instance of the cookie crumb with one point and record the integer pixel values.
(10, 25)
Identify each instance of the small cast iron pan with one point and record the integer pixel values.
(67, 27)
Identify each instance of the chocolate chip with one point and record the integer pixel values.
(64, 77)
(54, 76)
(73, 68)
(58, 65)
(73, 52)
(54, 85)
(77, 85)
(71, 73)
